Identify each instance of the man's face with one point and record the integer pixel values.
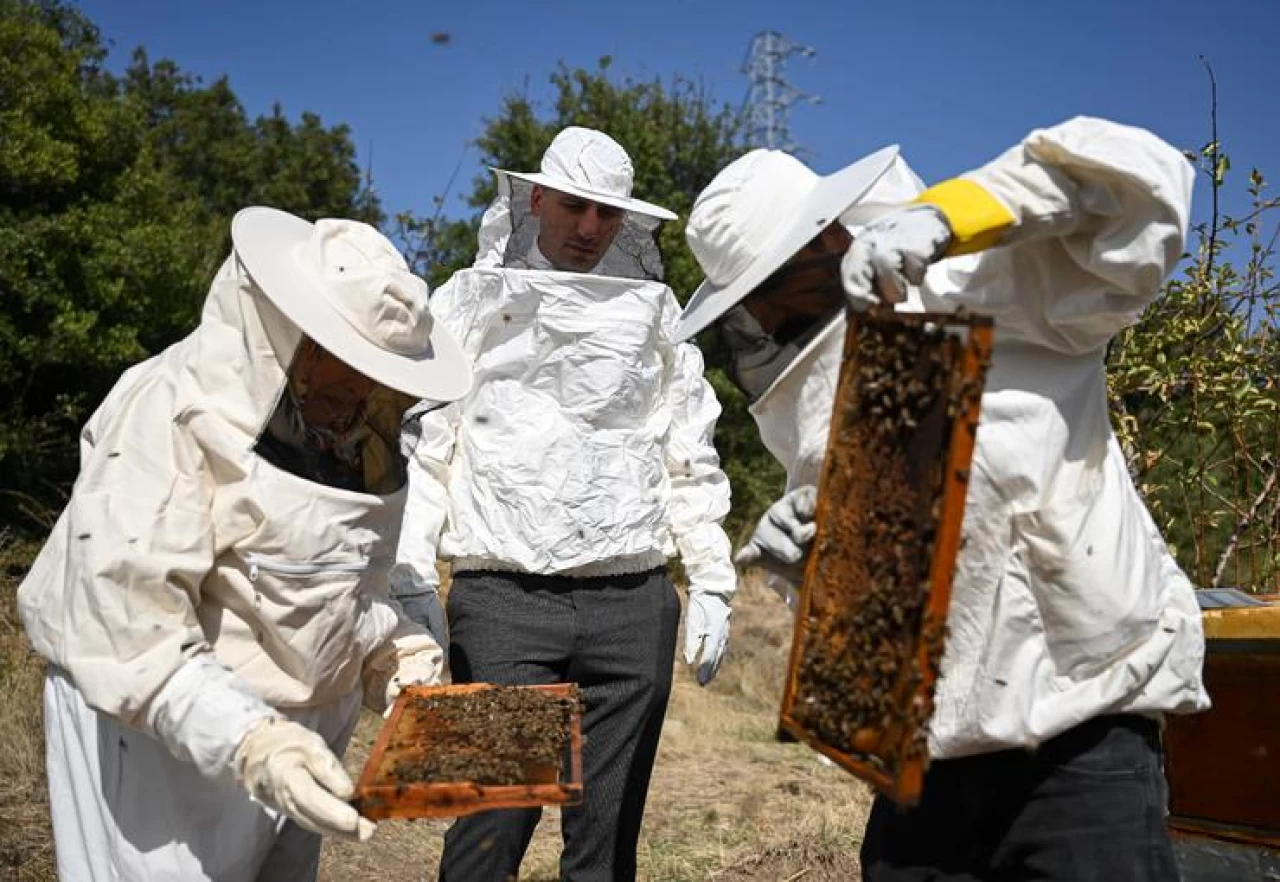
(771, 325)
(332, 393)
(805, 288)
(574, 233)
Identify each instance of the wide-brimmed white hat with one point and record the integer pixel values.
(347, 288)
(591, 165)
(758, 212)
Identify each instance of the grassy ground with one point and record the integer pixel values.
(26, 851)
(728, 803)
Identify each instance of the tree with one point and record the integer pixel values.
(1194, 397)
(678, 139)
(116, 196)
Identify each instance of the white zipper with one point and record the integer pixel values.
(272, 565)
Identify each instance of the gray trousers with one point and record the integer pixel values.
(615, 637)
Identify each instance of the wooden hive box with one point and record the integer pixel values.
(871, 620)
(1223, 765)
(447, 751)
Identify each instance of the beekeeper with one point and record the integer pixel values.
(1072, 630)
(213, 602)
(560, 485)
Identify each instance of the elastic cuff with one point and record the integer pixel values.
(978, 219)
(202, 713)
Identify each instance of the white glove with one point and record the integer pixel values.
(893, 252)
(411, 660)
(427, 610)
(706, 632)
(289, 768)
(781, 541)
(420, 600)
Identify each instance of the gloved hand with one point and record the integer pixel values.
(409, 660)
(706, 632)
(420, 600)
(893, 252)
(288, 767)
(427, 610)
(780, 543)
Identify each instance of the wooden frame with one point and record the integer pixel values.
(379, 795)
(892, 756)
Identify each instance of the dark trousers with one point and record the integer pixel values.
(1087, 806)
(613, 636)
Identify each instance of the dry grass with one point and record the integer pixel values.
(728, 803)
(26, 849)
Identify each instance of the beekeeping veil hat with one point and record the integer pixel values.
(750, 220)
(347, 288)
(763, 208)
(590, 165)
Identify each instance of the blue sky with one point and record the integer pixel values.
(953, 83)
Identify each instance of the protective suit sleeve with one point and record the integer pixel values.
(699, 488)
(1092, 216)
(111, 598)
(202, 714)
(699, 502)
(414, 651)
(427, 440)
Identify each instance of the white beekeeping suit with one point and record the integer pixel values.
(585, 447)
(209, 617)
(1066, 602)
(558, 488)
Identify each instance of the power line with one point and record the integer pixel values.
(769, 95)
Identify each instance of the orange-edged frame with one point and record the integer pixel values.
(379, 797)
(967, 382)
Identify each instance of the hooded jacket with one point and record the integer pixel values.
(1066, 602)
(190, 586)
(585, 446)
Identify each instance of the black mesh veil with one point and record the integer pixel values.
(507, 236)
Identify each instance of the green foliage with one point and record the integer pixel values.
(1194, 398)
(116, 196)
(678, 139)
